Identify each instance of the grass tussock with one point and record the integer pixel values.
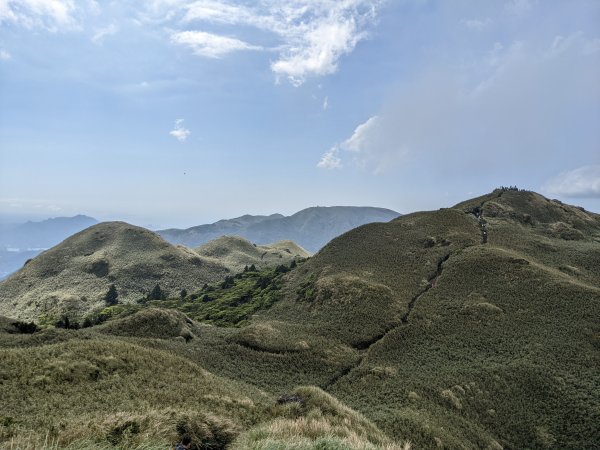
(316, 421)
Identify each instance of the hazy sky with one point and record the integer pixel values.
(181, 112)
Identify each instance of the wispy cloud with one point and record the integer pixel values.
(579, 183)
(360, 139)
(325, 103)
(210, 45)
(313, 35)
(50, 14)
(4, 55)
(180, 132)
(512, 107)
(367, 148)
(102, 33)
(330, 159)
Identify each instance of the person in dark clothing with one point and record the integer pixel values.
(185, 444)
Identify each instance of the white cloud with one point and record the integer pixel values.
(210, 45)
(360, 139)
(4, 55)
(325, 103)
(367, 147)
(330, 159)
(581, 182)
(101, 33)
(180, 132)
(517, 106)
(313, 35)
(218, 11)
(50, 14)
(318, 51)
(477, 24)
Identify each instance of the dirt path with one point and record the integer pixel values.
(364, 346)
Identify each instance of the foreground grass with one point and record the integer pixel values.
(117, 393)
(107, 394)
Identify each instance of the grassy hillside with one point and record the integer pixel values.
(73, 278)
(476, 326)
(92, 389)
(236, 253)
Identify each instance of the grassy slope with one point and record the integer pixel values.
(433, 335)
(73, 277)
(236, 253)
(500, 349)
(116, 392)
(96, 389)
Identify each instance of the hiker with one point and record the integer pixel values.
(185, 444)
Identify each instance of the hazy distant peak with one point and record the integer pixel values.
(310, 228)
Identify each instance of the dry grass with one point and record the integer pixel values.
(110, 391)
(500, 351)
(319, 422)
(236, 253)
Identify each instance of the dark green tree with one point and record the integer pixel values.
(66, 323)
(183, 294)
(281, 269)
(111, 297)
(228, 282)
(157, 294)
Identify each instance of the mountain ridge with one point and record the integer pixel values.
(311, 228)
(474, 326)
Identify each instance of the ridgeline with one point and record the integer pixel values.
(475, 326)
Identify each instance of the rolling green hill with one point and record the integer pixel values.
(476, 326)
(236, 252)
(73, 277)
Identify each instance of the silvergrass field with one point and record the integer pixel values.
(471, 327)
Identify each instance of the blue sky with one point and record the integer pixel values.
(181, 112)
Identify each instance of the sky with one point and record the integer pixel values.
(173, 113)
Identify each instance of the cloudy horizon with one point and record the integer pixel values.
(181, 112)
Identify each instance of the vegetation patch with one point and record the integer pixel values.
(231, 302)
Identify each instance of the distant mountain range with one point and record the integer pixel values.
(310, 228)
(44, 234)
(20, 242)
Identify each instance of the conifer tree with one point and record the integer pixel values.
(111, 297)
